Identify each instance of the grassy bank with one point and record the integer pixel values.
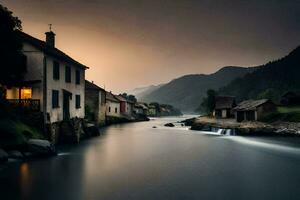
(15, 133)
(285, 114)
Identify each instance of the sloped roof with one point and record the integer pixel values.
(224, 102)
(141, 105)
(111, 97)
(250, 104)
(120, 98)
(92, 86)
(41, 45)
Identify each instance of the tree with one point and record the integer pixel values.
(270, 93)
(208, 102)
(132, 98)
(12, 60)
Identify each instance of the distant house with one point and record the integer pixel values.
(140, 109)
(54, 82)
(253, 110)
(112, 105)
(152, 111)
(126, 106)
(95, 102)
(290, 99)
(224, 106)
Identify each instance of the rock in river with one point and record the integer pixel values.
(169, 125)
(41, 147)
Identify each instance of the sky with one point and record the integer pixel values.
(133, 43)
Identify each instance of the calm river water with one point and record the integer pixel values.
(137, 161)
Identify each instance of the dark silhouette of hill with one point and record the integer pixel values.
(186, 92)
(269, 80)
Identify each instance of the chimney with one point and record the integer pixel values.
(50, 39)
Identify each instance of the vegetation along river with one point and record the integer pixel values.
(137, 161)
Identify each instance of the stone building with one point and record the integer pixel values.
(54, 83)
(253, 110)
(95, 103)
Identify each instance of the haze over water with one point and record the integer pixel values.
(137, 161)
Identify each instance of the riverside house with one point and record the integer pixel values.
(140, 109)
(224, 106)
(112, 106)
(95, 103)
(253, 110)
(54, 82)
(126, 107)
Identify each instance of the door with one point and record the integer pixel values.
(66, 104)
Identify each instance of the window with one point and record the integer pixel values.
(77, 101)
(55, 70)
(108, 109)
(77, 75)
(116, 110)
(26, 93)
(68, 74)
(55, 99)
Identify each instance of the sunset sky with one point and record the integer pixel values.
(133, 43)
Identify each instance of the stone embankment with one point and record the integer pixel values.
(244, 128)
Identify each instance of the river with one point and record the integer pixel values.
(137, 161)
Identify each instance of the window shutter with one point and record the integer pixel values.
(55, 70)
(68, 74)
(77, 101)
(77, 77)
(55, 98)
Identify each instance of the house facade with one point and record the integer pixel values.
(223, 106)
(112, 106)
(53, 79)
(140, 109)
(152, 111)
(253, 110)
(126, 106)
(95, 103)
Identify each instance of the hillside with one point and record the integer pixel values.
(187, 91)
(143, 91)
(268, 81)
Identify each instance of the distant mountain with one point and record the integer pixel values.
(268, 81)
(186, 92)
(143, 91)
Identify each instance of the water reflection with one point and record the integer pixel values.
(135, 161)
(25, 180)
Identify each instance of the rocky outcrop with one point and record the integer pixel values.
(246, 128)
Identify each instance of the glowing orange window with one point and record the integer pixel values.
(26, 93)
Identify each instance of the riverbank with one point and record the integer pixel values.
(281, 128)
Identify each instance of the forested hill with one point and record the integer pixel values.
(268, 81)
(186, 92)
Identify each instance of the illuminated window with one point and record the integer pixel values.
(26, 93)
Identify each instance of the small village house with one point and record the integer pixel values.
(126, 106)
(290, 99)
(140, 109)
(253, 110)
(54, 82)
(112, 106)
(152, 111)
(224, 106)
(95, 103)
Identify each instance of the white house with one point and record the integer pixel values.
(112, 105)
(54, 82)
